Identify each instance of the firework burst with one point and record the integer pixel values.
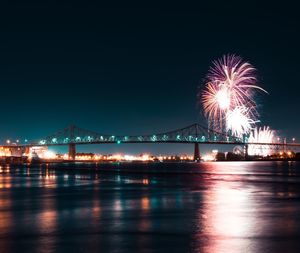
(261, 135)
(239, 122)
(229, 93)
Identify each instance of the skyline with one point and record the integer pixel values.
(137, 70)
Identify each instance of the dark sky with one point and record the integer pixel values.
(131, 70)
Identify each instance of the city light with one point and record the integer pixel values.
(208, 158)
(43, 154)
(49, 155)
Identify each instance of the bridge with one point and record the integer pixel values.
(195, 134)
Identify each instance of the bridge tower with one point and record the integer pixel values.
(72, 151)
(72, 146)
(196, 152)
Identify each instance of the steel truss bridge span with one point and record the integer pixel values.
(193, 134)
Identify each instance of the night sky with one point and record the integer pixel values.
(133, 70)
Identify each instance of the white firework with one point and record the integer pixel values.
(239, 121)
(261, 135)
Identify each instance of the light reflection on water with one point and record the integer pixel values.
(227, 214)
(208, 207)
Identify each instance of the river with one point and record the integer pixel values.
(155, 207)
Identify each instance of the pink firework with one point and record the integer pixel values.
(231, 83)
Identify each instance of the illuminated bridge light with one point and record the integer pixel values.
(140, 138)
(66, 140)
(111, 138)
(54, 140)
(154, 138)
(190, 138)
(42, 142)
(77, 138)
(101, 138)
(118, 142)
(178, 137)
(165, 137)
(125, 138)
(203, 138)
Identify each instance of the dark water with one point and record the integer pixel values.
(207, 207)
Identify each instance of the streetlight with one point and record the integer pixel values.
(8, 141)
(293, 139)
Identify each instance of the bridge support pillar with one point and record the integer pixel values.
(196, 152)
(72, 151)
